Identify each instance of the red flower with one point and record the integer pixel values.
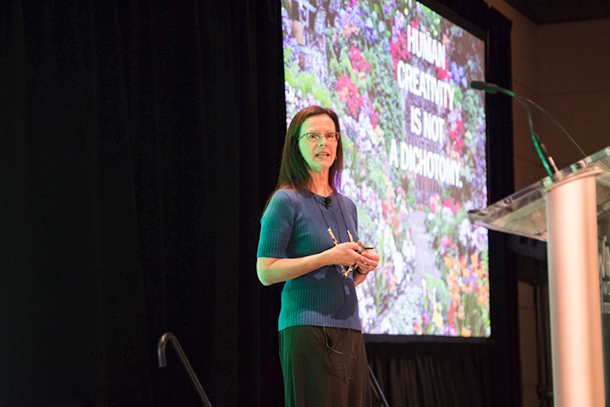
(398, 49)
(443, 74)
(452, 309)
(456, 133)
(348, 92)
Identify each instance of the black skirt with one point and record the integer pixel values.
(324, 367)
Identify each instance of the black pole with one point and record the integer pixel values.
(170, 337)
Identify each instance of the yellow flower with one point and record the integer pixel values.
(438, 320)
(465, 332)
(437, 317)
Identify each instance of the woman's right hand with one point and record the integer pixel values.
(345, 254)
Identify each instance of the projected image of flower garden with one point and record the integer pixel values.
(413, 133)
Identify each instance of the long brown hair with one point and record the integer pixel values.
(294, 170)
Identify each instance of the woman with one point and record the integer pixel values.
(309, 240)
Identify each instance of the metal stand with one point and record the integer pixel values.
(578, 374)
(563, 210)
(543, 335)
(170, 337)
(378, 394)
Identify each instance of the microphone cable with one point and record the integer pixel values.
(547, 160)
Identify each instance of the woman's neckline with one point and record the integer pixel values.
(322, 196)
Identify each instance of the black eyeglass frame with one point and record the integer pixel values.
(314, 137)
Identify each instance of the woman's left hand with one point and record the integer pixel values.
(369, 260)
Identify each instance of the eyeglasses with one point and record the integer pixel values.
(330, 137)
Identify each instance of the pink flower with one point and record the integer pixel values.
(359, 64)
(373, 116)
(434, 208)
(445, 243)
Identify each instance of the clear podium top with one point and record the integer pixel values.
(524, 212)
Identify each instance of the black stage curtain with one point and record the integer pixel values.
(140, 140)
(430, 374)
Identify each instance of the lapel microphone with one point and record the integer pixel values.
(327, 201)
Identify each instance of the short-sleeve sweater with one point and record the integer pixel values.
(295, 224)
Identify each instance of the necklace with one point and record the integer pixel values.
(345, 271)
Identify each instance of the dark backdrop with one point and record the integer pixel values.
(139, 140)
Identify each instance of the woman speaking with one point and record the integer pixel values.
(309, 240)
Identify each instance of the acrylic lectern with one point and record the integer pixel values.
(570, 212)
